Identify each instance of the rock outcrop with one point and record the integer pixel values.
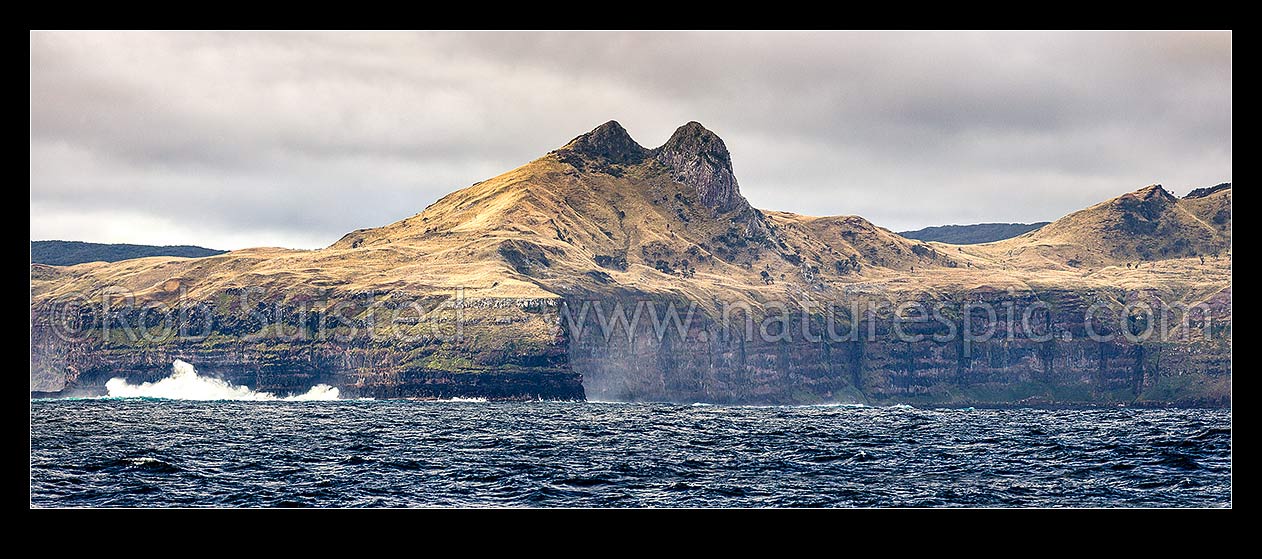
(609, 143)
(700, 160)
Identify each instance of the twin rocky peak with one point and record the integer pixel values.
(696, 155)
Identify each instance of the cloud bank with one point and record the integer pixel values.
(231, 140)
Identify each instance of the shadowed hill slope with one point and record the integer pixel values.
(972, 234)
(69, 253)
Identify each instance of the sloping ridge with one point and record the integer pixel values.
(1145, 225)
(976, 233)
(69, 253)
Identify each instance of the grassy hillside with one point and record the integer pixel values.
(604, 213)
(1146, 225)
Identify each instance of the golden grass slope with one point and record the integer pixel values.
(548, 229)
(1145, 225)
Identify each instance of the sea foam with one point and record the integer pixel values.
(185, 384)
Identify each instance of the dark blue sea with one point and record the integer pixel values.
(172, 453)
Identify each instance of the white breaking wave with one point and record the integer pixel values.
(185, 384)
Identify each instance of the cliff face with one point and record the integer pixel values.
(608, 270)
(882, 360)
(381, 353)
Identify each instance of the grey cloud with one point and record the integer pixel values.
(254, 136)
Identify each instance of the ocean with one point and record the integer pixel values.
(151, 452)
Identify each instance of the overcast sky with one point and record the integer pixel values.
(230, 140)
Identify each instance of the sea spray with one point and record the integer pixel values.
(185, 384)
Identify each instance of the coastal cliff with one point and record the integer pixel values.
(881, 359)
(609, 271)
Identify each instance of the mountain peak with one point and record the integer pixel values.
(1153, 190)
(1145, 224)
(611, 142)
(693, 129)
(700, 159)
(1147, 201)
(693, 139)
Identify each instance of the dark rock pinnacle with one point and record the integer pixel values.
(701, 160)
(609, 142)
(695, 156)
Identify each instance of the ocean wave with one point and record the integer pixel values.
(185, 384)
